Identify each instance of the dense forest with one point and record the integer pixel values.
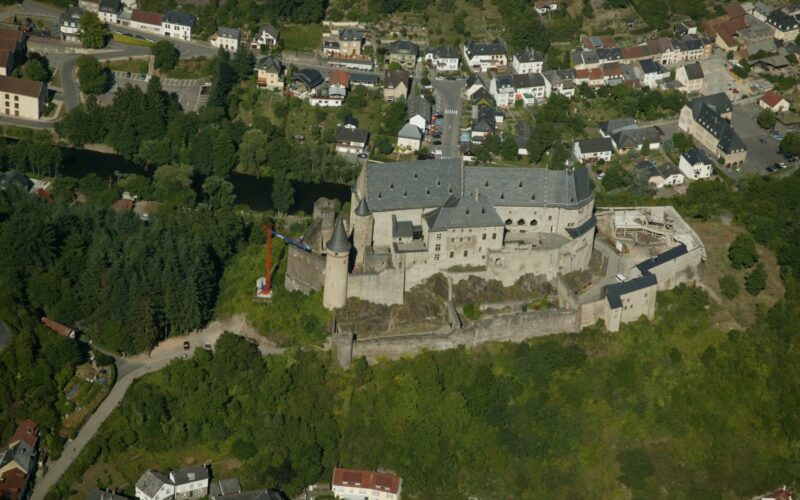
(674, 407)
(126, 283)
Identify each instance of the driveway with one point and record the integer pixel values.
(762, 149)
(448, 101)
(130, 369)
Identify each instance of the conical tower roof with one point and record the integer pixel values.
(363, 209)
(339, 242)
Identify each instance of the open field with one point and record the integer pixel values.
(302, 37)
(187, 69)
(743, 308)
(130, 65)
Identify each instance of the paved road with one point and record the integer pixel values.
(130, 369)
(448, 101)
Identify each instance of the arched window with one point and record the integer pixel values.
(508, 221)
(521, 222)
(534, 222)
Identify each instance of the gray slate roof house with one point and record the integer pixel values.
(152, 481)
(529, 55)
(493, 48)
(418, 105)
(523, 135)
(696, 156)
(364, 79)
(444, 52)
(482, 95)
(110, 6)
(97, 494)
(309, 77)
(636, 137)
(225, 487)
(22, 453)
(392, 78)
(485, 121)
(270, 30)
(403, 47)
(409, 131)
(189, 475)
(596, 145)
(781, 20)
(649, 168)
(230, 33)
(527, 80)
(180, 18)
(350, 35)
(14, 179)
(347, 134)
(615, 125)
(694, 71)
(270, 65)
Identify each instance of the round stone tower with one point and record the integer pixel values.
(334, 295)
(362, 231)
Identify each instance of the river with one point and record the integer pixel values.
(255, 192)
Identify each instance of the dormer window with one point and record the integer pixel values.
(486, 184)
(391, 186)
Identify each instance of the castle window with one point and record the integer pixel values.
(494, 236)
(439, 236)
(549, 217)
(466, 253)
(438, 247)
(451, 255)
(486, 184)
(415, 175)
(379, 195)
(521, 222)
(520, 183)
(435, 257)
(484, 236)
(405, 193)
(391, 186)
(508, 221)
(534, 222)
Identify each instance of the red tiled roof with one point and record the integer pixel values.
(122, 204)
(12, 484)
(379, 481)
(57, 327)
(143, 16)
(339, 77)
(581, 73)
(26, 431)
(771, 99)
(44, 195)
(635, 52)
(595, 74)
(19, 86)
(14, 34)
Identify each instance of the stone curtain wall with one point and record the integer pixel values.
(304, 271)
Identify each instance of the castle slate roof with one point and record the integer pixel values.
(363, 208)
(590, 223)
(470, 210)
(339, 242)
(615, 292)
(431, 183)
(720, 128)
(671, 254)
(152, 481)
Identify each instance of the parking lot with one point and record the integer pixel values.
(448, 102)
(189, 92)
(762, 148)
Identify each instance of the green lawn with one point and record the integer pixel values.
(292, 318)
(189, 68)
(131, 40)
(302, 37)
(131, 65)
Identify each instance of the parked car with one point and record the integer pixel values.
(437, 143)
(771, 169)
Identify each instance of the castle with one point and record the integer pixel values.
(411, 220)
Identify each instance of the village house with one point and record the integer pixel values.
(545, 7)
(178, 25)
(651, 73)
(350, 139)
(22, 98)
(227, 39)
(691, 77)
(502, 90)
(592, 150)
(419, 112)
(665, 175)
(365, 79)
(773, 101)
(144, 21)
(109, 11)
(484, 122)
(366, 485)
(191, 482)
(269, 73)
(266, 36)
(338, 82)
(522, 137)
(706, 119)
(442, 58)
(351, 42)
(153, 485)
(695, 164)
(69, 24)
(684, 28)
(472, 84)
(559, 81)
(409, 138)
(395, 84)
(786, 27)
(18, 461)
(403, 53)
(530, 88)
(485, 56)
(305, 81)
(527, 61)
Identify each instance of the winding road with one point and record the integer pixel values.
(131, 368)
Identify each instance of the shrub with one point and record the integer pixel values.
(742, 251)
(756, 281)
(729, 287)
(471, 311)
